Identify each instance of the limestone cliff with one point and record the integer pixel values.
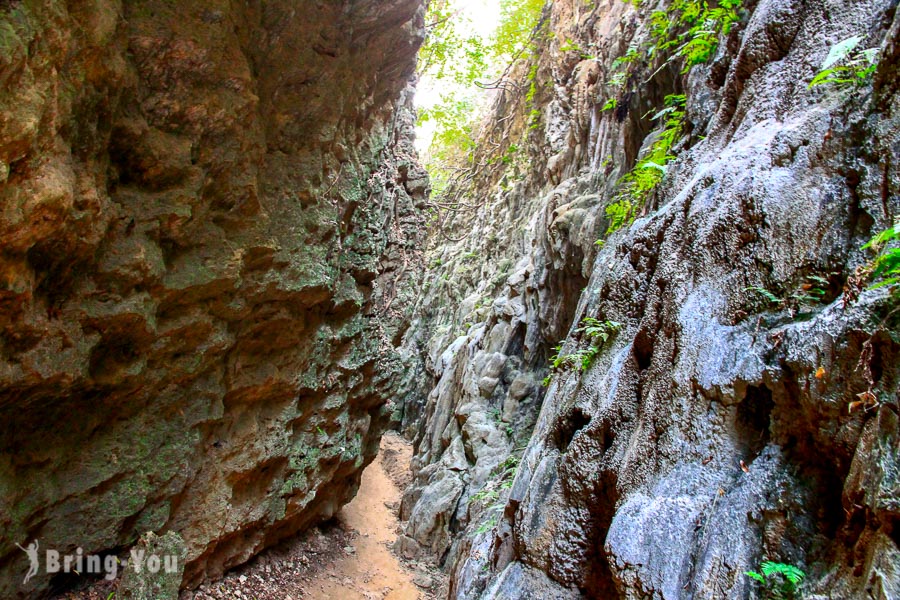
(711, 426)
(210, 212)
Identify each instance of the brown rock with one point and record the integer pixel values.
(195, 276)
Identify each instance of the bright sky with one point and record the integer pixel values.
(482, 16)
(485, 14)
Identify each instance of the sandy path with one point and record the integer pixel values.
(345, 560)
(372, 571)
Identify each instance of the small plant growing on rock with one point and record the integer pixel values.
(619, 213)
(598, 332)
(779, 581)
(648, 173)
(845, 65)
(572, 46)
(886, 266)
(497, 416)
(707, 26)
(694, 30)
(813, 291)
(770, 298)
(690, 26)
(579, 359)
(490, 493)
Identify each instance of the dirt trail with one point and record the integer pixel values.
(371, 570)
(348, 558)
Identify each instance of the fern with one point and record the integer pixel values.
(556, 359)
(698, 49)
(487, 525)
(768, 296)
(789, 572)
(779, 581)
(705, 27)
(813, 291)
(586, 357)
(598, 332)
(629, 57)
(660, 25)
(505, 474)
(695, 31)
(619, 213)
(841, 50)
(886, 266)
(484, 494)
(648, 173)
(701, 28)
(845, 66)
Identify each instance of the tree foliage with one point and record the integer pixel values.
(449, 53)
(518, 21)
(460, 63)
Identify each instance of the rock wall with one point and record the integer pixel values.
(714, 429)
(210, 215)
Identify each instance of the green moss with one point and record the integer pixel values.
(301, 461)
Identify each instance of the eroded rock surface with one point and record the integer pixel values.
(210, 212)
(714, 429)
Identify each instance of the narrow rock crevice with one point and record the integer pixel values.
(637, 352)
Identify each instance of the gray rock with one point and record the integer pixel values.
(521, 582)
(714, 430)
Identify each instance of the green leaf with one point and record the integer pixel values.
(891, 233)
(871, 55)
(662, 113)
(833, 76)
(755, 576)
(885, 282)
(888, 263)
(769, 296)
(652, 165)
(617, 80)
(789, 572)
(840, 51)
(885, 266)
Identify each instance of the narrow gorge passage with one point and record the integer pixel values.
(623, 274)
(370, 570)
(350, 557)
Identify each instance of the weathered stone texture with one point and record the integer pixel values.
(631, 484)
(210, 215)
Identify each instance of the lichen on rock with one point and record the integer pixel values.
(210, 221)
